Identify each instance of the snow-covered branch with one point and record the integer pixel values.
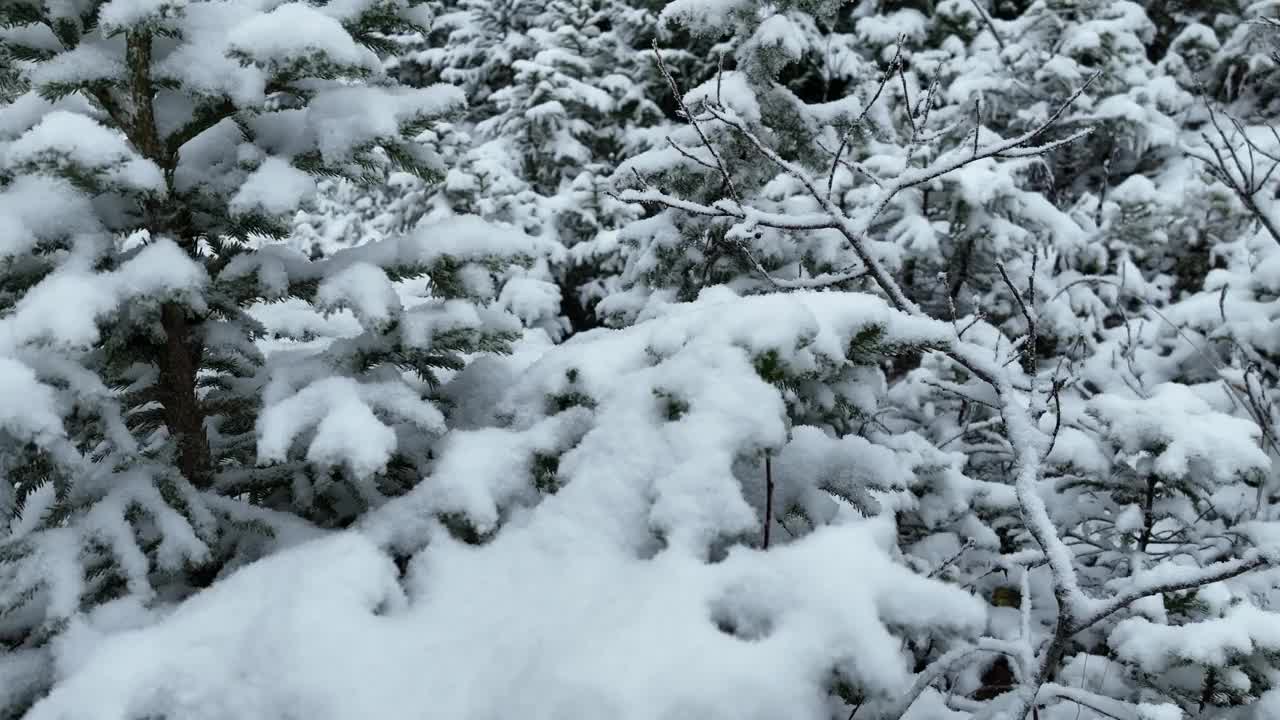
(1167, 579)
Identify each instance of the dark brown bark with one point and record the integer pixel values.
(179, 357)
(179, 360)
(142, 130)
(961, 261)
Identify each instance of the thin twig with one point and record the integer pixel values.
(1029, 352)
(675, 90)
(990, 24)
(894, 64)
(768, 497)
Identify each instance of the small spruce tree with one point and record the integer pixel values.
(165, 435)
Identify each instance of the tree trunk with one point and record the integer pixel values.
(179, 360)
(180, 355)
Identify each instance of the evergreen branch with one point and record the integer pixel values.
(205, 118)
(1158, 583)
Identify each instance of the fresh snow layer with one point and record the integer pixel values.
(525, 626)
(573, 608)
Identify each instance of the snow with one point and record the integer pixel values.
(297, 32)
(884, 30)
(463, 237)
(730, 481)
(21, 673)
(295, 318)
(505, 456)
(275, 187)
(159, 269)
(38, 502)
(347, 118)
(684, 466)
(702, 16)
(36, 209)
(363, 288)
(530, 299)
(665, 657)
(202, 62)
(128, 13)
(27, 109)
(346, 10)
(731, 90)
(71, 140)
(338, 414)
(781, 33)
(1243, 630)
(1187, 430)
(89, 62)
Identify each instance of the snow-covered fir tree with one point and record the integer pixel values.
(559, 97)
(182, 392)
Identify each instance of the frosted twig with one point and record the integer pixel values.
(1243, 181)
(989, 23)
(675, 90)
(690, 156)
(894, 64)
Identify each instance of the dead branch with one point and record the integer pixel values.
(675, 90)
(1232, 160)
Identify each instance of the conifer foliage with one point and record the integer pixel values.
(151, 442)
(867, 360)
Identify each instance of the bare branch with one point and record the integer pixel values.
(854, 232)
(690, 156)
(1056, 395)
(990, 24)
(906, 99)
(660, 198)
(1047, 147)
(1099, 704)
(858, 168)
(1029, 354)
(1229, 168)
(675, 90)
(977, 123)
(940, 667)
(1267, 435)
(931, 674)
(968, 545)
(894, 64)
(1030, 446)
